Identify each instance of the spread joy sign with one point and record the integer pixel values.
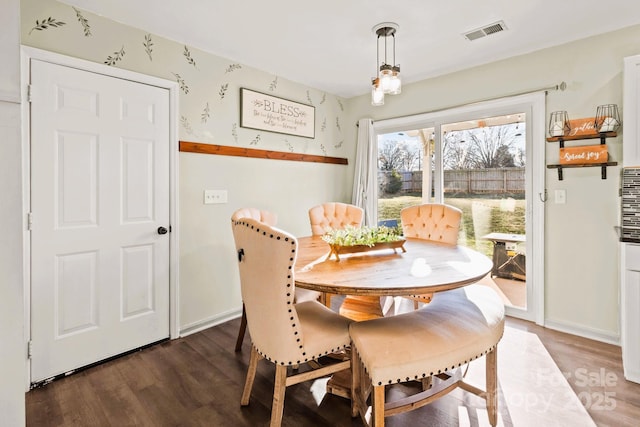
(584, 154)
(265, 112)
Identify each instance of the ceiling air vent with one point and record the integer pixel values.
(476, 34)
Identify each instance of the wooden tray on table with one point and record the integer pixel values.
(338, 250)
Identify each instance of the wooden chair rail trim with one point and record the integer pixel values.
(224, 150)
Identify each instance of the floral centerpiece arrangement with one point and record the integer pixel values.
(361, 239)
(367, 236)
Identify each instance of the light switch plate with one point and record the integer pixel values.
(560, 197)
(215, 196)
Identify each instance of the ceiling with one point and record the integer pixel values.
(329, 45)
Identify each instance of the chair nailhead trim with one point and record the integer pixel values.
(289, 302)
(306, 359)
(424, 375)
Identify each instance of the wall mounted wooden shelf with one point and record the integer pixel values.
(603, 140)
(601, 136)
(583, 165)
(224, 150)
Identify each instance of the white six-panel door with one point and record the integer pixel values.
(100, 193)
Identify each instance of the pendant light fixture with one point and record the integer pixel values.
(388, 74)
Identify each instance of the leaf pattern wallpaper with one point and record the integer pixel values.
(47, 23)
(148, 46)
(209, 86)
(274, 84)
(187, 55)
(117, 56)
(206, 113)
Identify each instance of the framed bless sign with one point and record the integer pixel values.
(265, 112)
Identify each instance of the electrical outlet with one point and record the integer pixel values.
(215, 196)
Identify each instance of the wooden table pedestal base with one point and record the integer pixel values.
(361, 307)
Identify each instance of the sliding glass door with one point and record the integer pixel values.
(484, 165)
(480, 159)
(405, 172)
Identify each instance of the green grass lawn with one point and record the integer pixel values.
(480, 216)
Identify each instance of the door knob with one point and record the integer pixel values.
(162, 230)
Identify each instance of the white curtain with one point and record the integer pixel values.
(365, 182)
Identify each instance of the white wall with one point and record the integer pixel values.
(581, 272)
(10, 50)
(12, 348)
(209, 113)
(208, 263)
(581, 249)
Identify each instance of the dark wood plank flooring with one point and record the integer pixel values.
(198, 380)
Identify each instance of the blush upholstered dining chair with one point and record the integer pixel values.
(431, 221)
(434, 341)
(282, 331)
(269, 218)
(334, 215)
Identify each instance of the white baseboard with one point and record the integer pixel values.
(209, 322)
(582, 331)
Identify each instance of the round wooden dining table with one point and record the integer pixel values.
(425, 267)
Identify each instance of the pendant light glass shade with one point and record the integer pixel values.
(396, 84)
(388, 80)
(377, 94)
(385, 78)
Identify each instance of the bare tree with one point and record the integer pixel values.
(455, 151)
(398, 156)
(480, 148)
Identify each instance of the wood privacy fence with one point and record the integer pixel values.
(505, 180)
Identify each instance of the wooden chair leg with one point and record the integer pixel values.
(492, 385)
(355, 382)
(279, 388)
(426, 383)
(243, 328)
(251, 375)
(377, 404)
(327, 300)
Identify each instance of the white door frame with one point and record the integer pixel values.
(27, 53)
(535, 178)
